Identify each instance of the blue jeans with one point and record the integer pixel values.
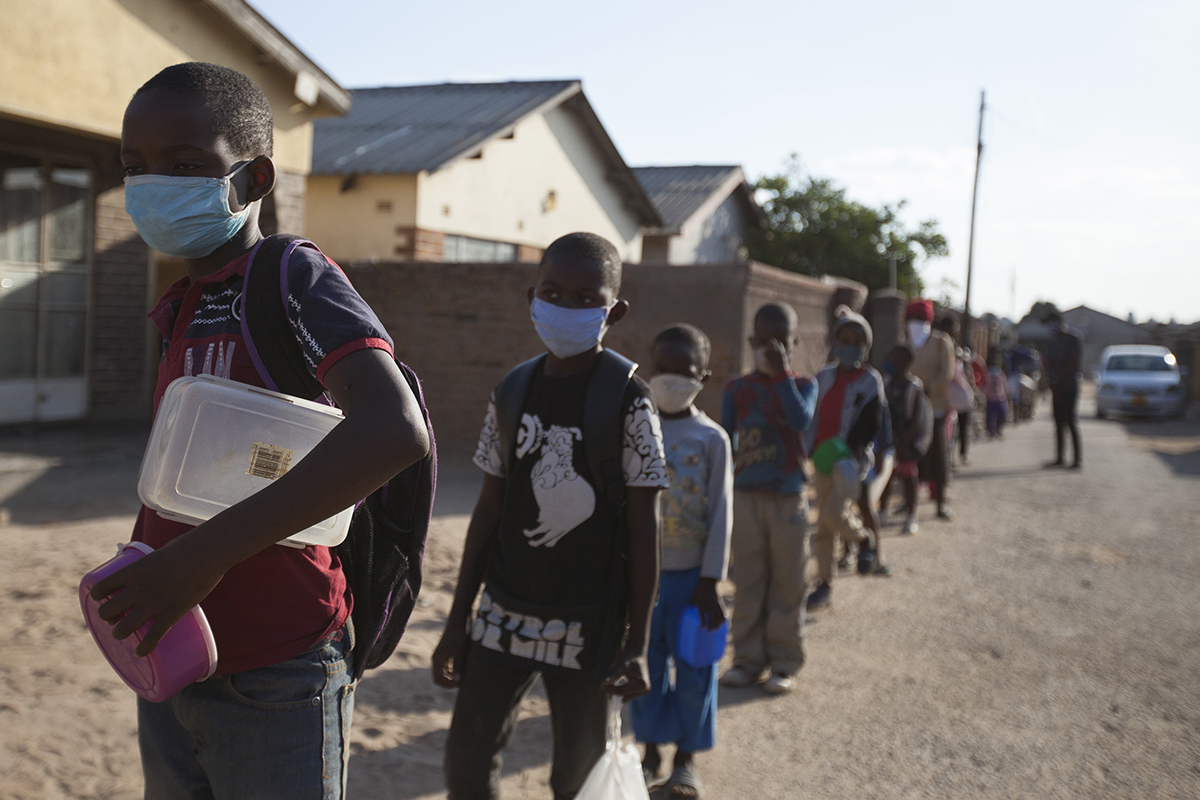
(281, 731)
(684, 713)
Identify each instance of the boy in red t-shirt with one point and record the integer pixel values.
(274, 720)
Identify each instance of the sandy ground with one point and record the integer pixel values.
(1043, 645)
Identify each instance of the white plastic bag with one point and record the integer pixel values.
(618, 773)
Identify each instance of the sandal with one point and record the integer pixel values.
(685, 776)
(651, 777)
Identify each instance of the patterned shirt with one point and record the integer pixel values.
(280, 601)
(766, 418)
(554, 544)
(697, 509)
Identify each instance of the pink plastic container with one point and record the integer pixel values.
(186, 654)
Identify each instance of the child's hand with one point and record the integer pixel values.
(448, 657)
(706, 599)
(161, 586)
(777, 357)
(630, 678)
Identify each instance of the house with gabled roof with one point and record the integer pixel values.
(76, 280)
(706, 211)
(470, 172)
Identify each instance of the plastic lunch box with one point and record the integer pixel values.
(186, 654)
(215, 442)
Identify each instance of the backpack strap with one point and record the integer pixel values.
(603, 426)
(266, 331)
(509, 400)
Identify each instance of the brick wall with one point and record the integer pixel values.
(463, 326)
(119, 376)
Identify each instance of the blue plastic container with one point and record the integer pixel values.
(697, 645)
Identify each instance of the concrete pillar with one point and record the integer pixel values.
(884, 309)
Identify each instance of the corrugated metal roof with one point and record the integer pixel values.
(678, 191)
(407, 129)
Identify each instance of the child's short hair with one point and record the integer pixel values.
(689, 336)
(904, 349)
(582, 246)
(240, 111)
(780, 314)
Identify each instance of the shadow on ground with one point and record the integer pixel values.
(1175, 441)
(414, 768)
(71, 473)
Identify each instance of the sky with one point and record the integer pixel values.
(1089, 186)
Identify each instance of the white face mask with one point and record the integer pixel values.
(918, 332)
(674, 393)
(568, 332)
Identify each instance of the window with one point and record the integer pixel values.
(464, 250)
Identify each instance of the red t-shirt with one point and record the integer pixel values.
(833, 404)
(281, 601)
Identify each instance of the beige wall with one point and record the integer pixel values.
(76, 63)
(501, 196)
(349, 226)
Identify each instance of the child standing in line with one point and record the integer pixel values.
(850, 407)
(765, 414)
(696, 518)
(912, 427)
(547, 545)
(274, 720)
(997, 399)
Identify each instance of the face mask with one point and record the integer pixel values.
(889, 368)
(849, 355)
(674, 393)
(568, 332)
(181, 216)
(918, 332)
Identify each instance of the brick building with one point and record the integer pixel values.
(75, 278)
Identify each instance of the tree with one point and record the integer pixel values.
(812, 228)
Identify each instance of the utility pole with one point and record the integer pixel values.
(968, 322)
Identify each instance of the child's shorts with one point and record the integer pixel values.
(906, 469)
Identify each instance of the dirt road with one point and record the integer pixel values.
(1045, 644)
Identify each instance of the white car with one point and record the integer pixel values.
(1139, 379)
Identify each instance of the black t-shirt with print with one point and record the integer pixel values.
(554, 544)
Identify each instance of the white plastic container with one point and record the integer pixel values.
(215, 442)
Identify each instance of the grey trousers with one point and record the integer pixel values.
(769, 565)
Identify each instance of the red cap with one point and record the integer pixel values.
(921, 309)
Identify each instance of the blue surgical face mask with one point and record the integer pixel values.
(182, 216)
(850, 355)
(889, 368)
(568, 332)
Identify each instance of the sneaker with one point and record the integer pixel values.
(866, 561)
(779, 683)
(945, 512)
(821, 597)
(739, 676)
(910, 525)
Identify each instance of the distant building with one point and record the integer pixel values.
(1099, 330)
(76, 280)
(470, 172)
(706, 212)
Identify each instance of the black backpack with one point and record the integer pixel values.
(384, 550)
(603, 441)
